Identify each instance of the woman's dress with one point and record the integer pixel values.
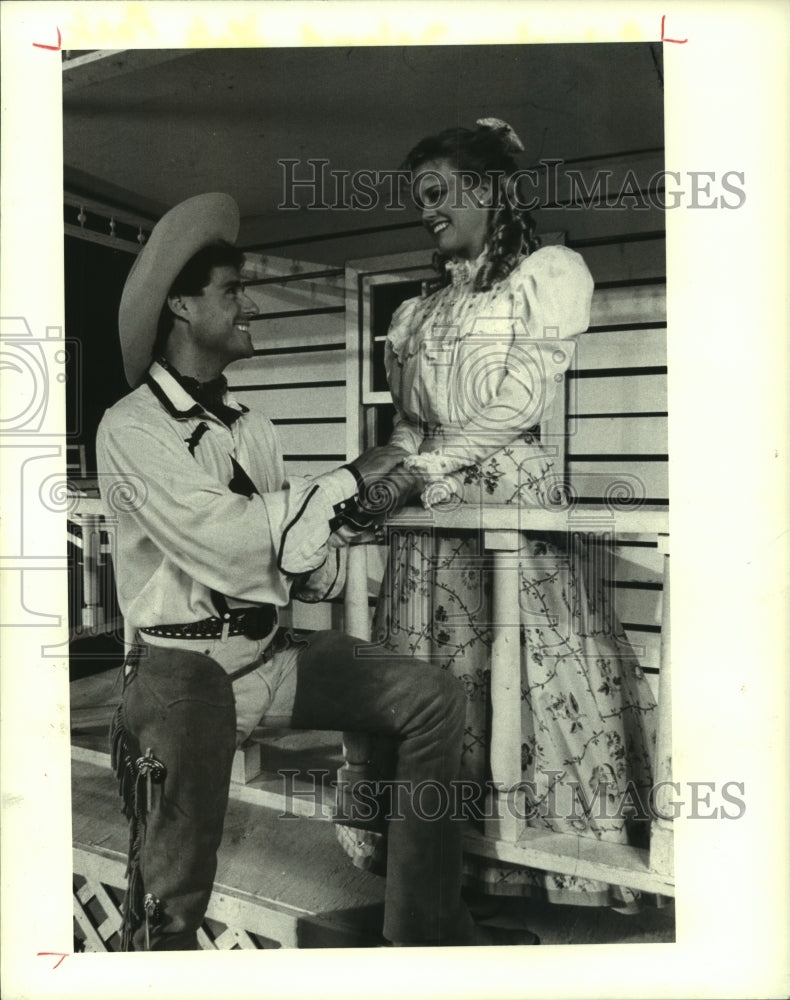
(471, 373)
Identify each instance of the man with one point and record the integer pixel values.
(213, 545)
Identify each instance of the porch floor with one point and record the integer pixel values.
(281, 882)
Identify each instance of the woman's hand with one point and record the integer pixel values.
(433, 464)
(407, 484)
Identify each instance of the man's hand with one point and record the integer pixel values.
(384, 496)
(343, 536)
(374, 463)
(405, 485)
(386, 486)
(380, 499)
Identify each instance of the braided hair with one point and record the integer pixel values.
(488, 152)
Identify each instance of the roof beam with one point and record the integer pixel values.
(100, 66)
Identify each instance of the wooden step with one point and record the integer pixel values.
(317, 757)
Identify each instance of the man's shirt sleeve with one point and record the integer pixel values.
(328, 580)
(228, 542)
(302, 515)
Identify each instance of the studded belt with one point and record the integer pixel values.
(254, 623)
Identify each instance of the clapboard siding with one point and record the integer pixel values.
(638, 563)
(634, 604)
(366, 241)
(588, 224)
(578, 185)
(632, 393)
(298, 376)
(647, 650)
(409, 235)
(313, 438)
(627, 261)
(288, 369)
(618, 370)
(636, 588)
(622, 306)
(296, 403)
(305, 293)
(298, 331)
(622, 479)
(617, 436)
(641, 348)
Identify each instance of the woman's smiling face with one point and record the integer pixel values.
(455, 207)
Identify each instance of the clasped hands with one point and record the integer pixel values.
(388, 485)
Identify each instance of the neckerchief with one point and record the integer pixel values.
(209, 394)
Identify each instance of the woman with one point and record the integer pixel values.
(473, 368)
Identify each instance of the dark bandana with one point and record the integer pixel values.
(209, 394)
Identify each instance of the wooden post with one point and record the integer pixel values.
(357, 747)
(356, 595)
(505, 807)
(247, 762)
(661, 830)
(92, 612)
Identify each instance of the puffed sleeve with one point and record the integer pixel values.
(406, 432)
(552, 293)
(556, 289)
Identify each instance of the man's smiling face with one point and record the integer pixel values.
(219, 318)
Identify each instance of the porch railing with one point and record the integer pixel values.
(506, 836)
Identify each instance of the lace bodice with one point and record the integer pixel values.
(471, 371)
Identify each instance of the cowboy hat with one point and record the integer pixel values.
(176, 238)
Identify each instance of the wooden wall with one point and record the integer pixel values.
(298, 375)
(617, 392)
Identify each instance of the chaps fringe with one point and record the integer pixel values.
(134, 787)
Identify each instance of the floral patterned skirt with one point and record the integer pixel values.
(588, 714)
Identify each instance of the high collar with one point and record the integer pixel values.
(463, 271)
(173, 391)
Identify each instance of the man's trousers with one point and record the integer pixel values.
(174, 739)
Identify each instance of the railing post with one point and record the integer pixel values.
(357, 747)
(92, 611)
(505, 812)
(357, 621)
(661, 829)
